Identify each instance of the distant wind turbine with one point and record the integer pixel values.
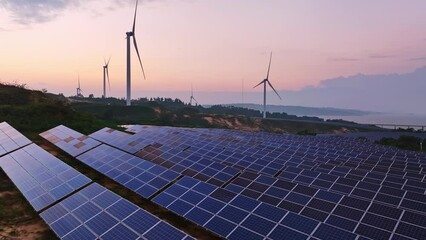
(266, 80)
(192, 97)
(129, 35)
(79, 91)
(242, 91)
(106, 75)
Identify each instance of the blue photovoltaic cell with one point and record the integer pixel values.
(243, 233)
(168, 154)
(41, 177)
(282, 232)
(70, 141)
(140, 176)
(83, 215)
(11, 139)
(229, 219)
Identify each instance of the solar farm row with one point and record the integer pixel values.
(274, 171)
(73, 206)
(10, 139)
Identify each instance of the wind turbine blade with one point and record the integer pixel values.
(192, 92)
(139, 57)
(274, 90)
(134, 19)
(259, 83)
(105, 62)
(195, 100)
(109, 85)
(109, 59)
(269, 67)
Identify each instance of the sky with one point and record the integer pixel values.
(218, 46)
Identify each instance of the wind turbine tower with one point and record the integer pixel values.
(264, 81)
(106, 75)
(129, 35)
(192, 97)
(79, 91)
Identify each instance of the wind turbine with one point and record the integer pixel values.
(129, 35)
(266, 80)
(106, 75)
(79, 91)
(192, 97)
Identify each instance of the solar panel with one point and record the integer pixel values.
(320, 204)
(231, 215)
(189, 164)
(143, 177)
(97, 213)
(110, 136)
(42, 178)
(70, 141)
(11, 139)
(124, 141)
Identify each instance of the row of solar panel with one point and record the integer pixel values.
(140, 176)
(95, 212)
(42, 178)
(10, 139)
(74, 143)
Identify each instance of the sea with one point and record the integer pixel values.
(384, 118)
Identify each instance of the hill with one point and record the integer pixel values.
(32, 112)
(303, 111)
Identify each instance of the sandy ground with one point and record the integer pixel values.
(17, 218)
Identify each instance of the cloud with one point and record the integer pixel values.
(343, 59)
(27, 12)
(417, 59)
(380, 56)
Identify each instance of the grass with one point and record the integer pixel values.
(403, 142)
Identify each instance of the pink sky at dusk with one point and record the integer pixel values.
(213, 44)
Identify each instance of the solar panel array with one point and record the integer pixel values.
(42, 178)
(374, 191)
(141, 176)
(95, 212)
(72, 206)
(10, 139)
(245, 185)
(72, 142)
(234, 216)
